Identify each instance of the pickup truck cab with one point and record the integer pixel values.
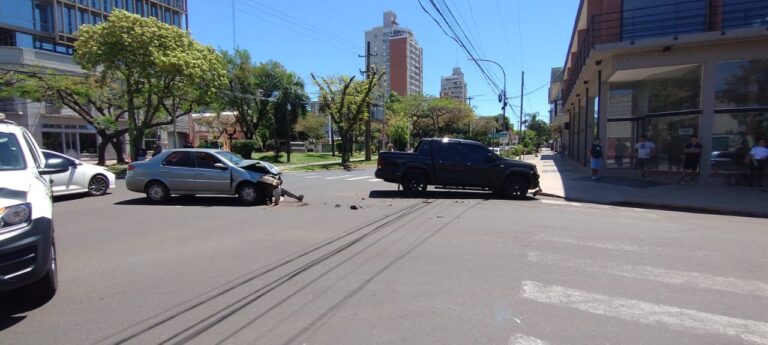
(456, 163)
(27, 245)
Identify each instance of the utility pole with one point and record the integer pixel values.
(367, 57)
(522, 87)
(333, 140)
(234, 30)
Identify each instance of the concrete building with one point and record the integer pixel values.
(454, 86)
(40, 33)
(395, 50)
(667, 70)
(557, 115)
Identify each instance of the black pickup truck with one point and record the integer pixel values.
(456, 163)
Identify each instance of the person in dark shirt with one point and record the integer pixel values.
(692, 151)
(596, 157)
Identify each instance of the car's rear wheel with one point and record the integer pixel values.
(157, 192)
(414, 182)
(515, 187)
(249, 193)
(98, 185)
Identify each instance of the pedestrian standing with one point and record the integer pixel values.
(596, 157)
(692, 151)
(619, 150)
(645, 150)
(157, 150)
(758, 157)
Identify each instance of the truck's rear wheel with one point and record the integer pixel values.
(414, 182)
(515, 187)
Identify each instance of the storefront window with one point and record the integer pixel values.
(733, 135)
(619, 144)
(87, 143)
(670, 134)
(742, 84)
(654, 90)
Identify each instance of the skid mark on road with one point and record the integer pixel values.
(693, 279)
(647, 313)
(522, 339)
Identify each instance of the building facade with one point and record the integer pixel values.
(395, 50)
(557, 116)
(40, 34)
(454, 86)
(667, 70)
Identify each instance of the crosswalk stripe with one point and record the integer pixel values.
(522, 339)
(358, 178)
(312, 176)
(697, 280)
(337, 177)
(601, 245)
(647, 313)
(374, 180)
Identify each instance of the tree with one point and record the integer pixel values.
(539, 128)
(288, 108)
(97, 100)
(448, 116)
(482, 126)
(311, 127)
(162, 72)
(347, 101)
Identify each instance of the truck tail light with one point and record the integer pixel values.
(378, 163)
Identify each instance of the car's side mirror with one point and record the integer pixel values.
(54, 166)
(220, 166)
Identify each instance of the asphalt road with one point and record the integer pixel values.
(448, 268)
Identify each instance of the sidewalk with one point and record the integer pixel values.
(564, 178)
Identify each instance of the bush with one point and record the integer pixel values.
(245, 148)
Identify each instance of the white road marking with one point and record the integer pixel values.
(602, 245)
(522, 339)
(558, 202)
(337, 177)
(647, 313)
(697, 280)
(374, 180)
(312, 176)
(358, 178)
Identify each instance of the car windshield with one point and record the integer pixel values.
(233, 158)
(11, 157)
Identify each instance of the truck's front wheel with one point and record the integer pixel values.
(414, 182)
(516, 187)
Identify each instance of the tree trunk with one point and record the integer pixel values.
(136, 140)
(346, 147)
(102, 148)
(117, 145)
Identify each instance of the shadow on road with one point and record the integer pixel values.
(12, 304)
(440, 194)
(78, 196)
(206, 201)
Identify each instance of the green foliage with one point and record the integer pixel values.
(311, 127)
(245, 148)
(156, 71)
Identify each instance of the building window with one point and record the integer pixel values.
(662, 18)
(670, 134)
(655, 90)
(740, 14)
(741, 84)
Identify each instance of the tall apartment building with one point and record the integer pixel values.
(40, 33)
(394, 49)
(454, 86)
(667, 70)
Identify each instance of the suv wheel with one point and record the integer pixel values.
(414, 182)
(44, 289)
(157, 192)
(249, 193)
(516, 187)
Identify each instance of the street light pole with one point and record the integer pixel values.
(503, 95)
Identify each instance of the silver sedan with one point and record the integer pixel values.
(202, 171)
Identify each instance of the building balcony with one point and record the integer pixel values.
(670, 21)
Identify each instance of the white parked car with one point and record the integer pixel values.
(80, 177)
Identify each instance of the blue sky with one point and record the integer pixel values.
(326, 37)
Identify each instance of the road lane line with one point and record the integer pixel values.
(374, 180)
(358, 178)
(312, 176)
(647, 313)
(337, 177)
(693, 279)
(554, 202)
(602, 245)
(522, 339)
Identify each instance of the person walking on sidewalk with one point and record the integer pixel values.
(692, 151)
(645, 150)
(758, 157)
(596, 157)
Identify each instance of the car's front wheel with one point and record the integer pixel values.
(249, 193)
(43, 289)
(516, 187)
(98, 185)
(157, 192)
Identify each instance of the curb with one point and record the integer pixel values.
(664, 207)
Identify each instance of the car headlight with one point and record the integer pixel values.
(15, 215)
